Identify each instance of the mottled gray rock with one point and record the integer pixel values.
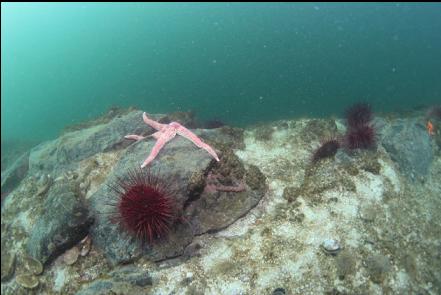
(66, 151)
(215, 210)
(8, 260)
(129, 280)
(229, 136)
(97, 287)
(64, 222)
(408, 143)
(12, 177)
(186, 166)
(377, 266)
(177, 161)
(133, 275)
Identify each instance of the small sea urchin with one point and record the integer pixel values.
(327, 149)
(358, 115)
(145, 204)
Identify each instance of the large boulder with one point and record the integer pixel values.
(186, 167)
(68, 150)
(408, 144)
(64, 222)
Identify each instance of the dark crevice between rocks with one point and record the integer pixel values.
(171, 258)
(62, 244)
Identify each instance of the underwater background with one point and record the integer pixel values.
(221, 148)
(240, 63)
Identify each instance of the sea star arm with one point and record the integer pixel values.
(155, 135)
(158, 146)
(163, 137)
(152, 123)
(181, 130)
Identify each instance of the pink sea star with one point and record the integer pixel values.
(165, 133)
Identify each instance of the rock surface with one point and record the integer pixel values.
(179, 162)
(8, 265)
(68, 150)
(233, 238)
(409, 144)
(12, 177)
(65, 222)
(127, 280)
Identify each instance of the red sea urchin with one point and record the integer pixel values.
(327, 149)
(360, 138)
(145, 205)
(358, 115)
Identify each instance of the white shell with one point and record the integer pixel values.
(331, 246)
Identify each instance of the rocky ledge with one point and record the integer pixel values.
(364, 221)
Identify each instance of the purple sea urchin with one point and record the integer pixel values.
(358, 115)
(145, 205)
(327, 149)
(360, 138)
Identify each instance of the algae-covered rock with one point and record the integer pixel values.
(188, 119)
(186, 167)
(8, 260)
(346, 263)
(32, 265)
(67, 151)
(125, 280)
(104, 119)
(377, 266)
(12, 177)
(408, 143)
(27, 281)
(231, 137)
(177, 162)
(264, 133)
(71, 255)
(233, 198)
(371, 164)
(316, 129)
(290, 194)
(64, 223)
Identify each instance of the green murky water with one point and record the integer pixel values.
(242, 63)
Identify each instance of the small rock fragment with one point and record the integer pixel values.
(345, 264)
(368, 213)
(84, 186)
(33, 265)
(27, 281)
(66, 221)
(85, 246)
(331, 246)
(8, 265)
(71, 256)
(46, 183)
(378, 266)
